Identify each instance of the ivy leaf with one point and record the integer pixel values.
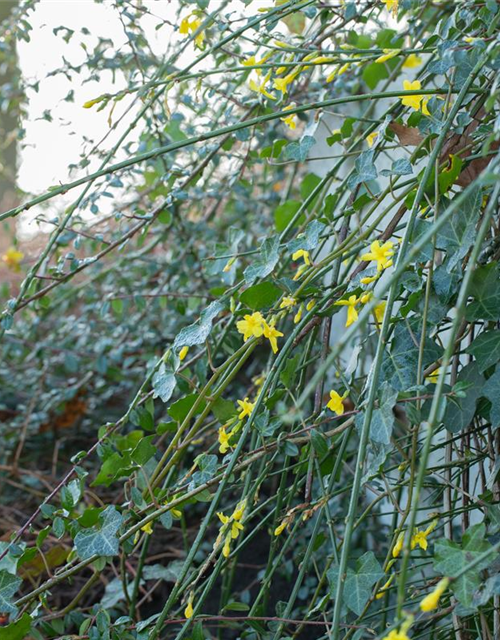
(460, 411)
(9, 584)
(101, 541)
(445, 284)
(269, 256)
(309, 239)
(365, 170)
(163, 383)
(299, 150)
(383, 418)
(400, 364)
(486, 349)
(491, 390)
(450, 558)
(485, 288)
(199, 331)
(359, 583)
(17, 630)
(458, 234)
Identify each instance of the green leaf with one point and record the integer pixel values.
(319, 443)
(486, 349)
(400, 364)
(383, 418)
(9, 584)
(458, 234)
(299, 150)
(284, 214)
(290, 370)
(260, 296)
(450, 558)
(113, 467)
(269, 256)
(365, 170)
(223, 410)
(17, 630)
(460, 411)
(199, 331)
(485, 289)
(445, 284)
(447, 177)
(143, 451)
(358, 584)
(179, 410)
(163, 383)
(491, 390)
(9, 561)
(373, 73)
(101, 541)
(308, 240)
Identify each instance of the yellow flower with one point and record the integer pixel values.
(298, 315)
(148, 528)
(366, 297)
(261, 88)
(332, 76)
(231, 527)
(12, 258)
(251, 61)
(417, 102)
(396, 635)
(279, 529)
(226, 549)
(224, 440)
(419, 538)
(433, 377)
(379, 311)
(382, 591)
(251, 325)
(183, 353)
(431, 601)
(177, 513)
(350, 303)
(246, 408)
(398, 547)
(271, 333)
(291, 120)
(336, 403)
(369, 279)
(381, 254)
(288, 301)
(301, 253)
(371, 137)
(388, 54)
(259, 380)
(343, 68)
(188, 611)
(392, 5)
(300, 271)
(310, 305)
(228, 265)
(190, 24)
(412, 61)
(281, 84)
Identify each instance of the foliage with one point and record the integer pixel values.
(259, 399)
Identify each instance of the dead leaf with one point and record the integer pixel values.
(408, 136)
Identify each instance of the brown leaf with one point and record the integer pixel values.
(408, 136)
(474, 168)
